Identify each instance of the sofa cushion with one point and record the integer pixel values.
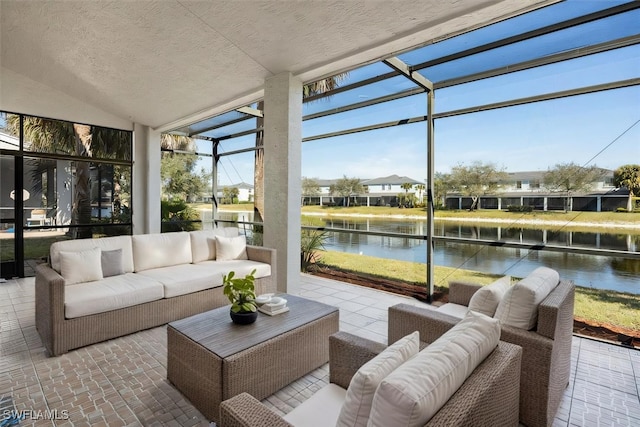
(321, 410)
(230, 248)
(240, 267)
(455, 310)
(111, 262)
(183, 279)
(110, 293)
(416, 391)
(81, 266)
(487, 298)
(519, 306)
(160, 250)
(363, 385)
(203, 244)
(104, 243)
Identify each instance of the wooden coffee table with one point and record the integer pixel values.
(211, 359)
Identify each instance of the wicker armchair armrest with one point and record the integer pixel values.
(49, 306)
(555, 312)
(461, 292)
(245, 410)
(404, 319)
(489, 396)
(262, 254)
(347, 353)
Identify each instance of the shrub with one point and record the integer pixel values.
(519, 208)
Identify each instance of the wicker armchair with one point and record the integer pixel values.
(487, 398)
(546, 357)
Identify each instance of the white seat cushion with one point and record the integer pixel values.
(110, 293)
(240, 267)
(320, 410)
(363, 385)
(416, 391)
(487, 298)
(455, 310)
(160, 250)
(183, 279)
(519, 306)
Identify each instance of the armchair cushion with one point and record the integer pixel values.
(487, 298)
(357, 405)
(519, 306)
(414, 392)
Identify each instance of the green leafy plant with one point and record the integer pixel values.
(240, 291)
(311, 241)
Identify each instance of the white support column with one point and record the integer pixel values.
(145, 200)
(282, 176)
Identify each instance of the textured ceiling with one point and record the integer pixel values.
(162, 63)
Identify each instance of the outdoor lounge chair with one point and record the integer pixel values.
(546, 357)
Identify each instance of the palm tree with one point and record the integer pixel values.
(406, 186)
(420, 188)
(56, 136)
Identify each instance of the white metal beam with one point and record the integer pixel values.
(398, 65)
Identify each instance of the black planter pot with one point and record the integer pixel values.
(244, 318)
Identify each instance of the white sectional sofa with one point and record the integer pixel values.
(97, 289)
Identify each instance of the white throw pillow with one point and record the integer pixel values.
(519, 306)
(412, 394)
(82, 266)
(229, 248)
(357, 403)
(487, 298)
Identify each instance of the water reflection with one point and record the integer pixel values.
(601, 272)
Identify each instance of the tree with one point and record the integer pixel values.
(347, 187)
(628, 176)
(476, 180)
(406, 186)
(230, 194)
(178, 174)
(180, 179)
(420, 189)
(570, 178)
(310, 90)
(440, 187)
(310, 188)
(57, 136)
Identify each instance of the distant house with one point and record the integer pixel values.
(527, 189)
(378, 191)
(245, 191)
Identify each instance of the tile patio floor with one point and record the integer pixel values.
(123, 381)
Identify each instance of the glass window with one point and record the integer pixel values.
(605, 67)
(602, 30)
(399, 109)
(9, 131)
(59, 137)
(518, 25)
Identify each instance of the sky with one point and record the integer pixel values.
(600, 128)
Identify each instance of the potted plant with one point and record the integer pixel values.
(242, 294)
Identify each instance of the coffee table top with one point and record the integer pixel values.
(215, 331)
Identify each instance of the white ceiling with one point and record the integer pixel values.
(166, 63)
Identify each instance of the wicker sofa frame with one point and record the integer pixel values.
(60, 334)
(487, 398)
(546, 357)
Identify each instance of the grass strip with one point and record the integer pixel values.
(594, 305)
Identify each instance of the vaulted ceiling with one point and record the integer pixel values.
(167, 62)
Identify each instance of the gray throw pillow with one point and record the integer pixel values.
(112, 263)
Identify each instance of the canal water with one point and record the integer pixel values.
(586, 270)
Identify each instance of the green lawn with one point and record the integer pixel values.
(601, 306)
